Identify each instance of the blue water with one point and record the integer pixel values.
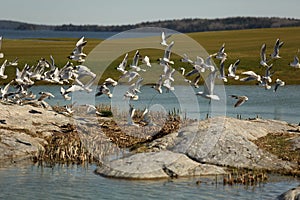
(281, 105)
(80, 182)
(17, 34)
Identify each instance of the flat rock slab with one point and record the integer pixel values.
(156, 165)
(292, 194)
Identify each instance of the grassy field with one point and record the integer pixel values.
(243, 44)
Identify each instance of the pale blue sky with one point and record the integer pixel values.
(114, 12)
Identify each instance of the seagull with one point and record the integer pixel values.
(135, 62)
(147, 118)
(2, 69)
(78, 50)
(295, 63)
(103, 89)
(64, 94)
(278, 83)
(209, 85)
(1, 54)
(167, 55)
(4, 90)
(164, 39)
(222, 75)
(158, 85)
(110, 81)
(221, 55)
(278, 45)
(146, 60)
(130, 75)
(185, 59)
(232, 70)
(13, 63)
(122, 65)
(130, 116)
(45, 95)
(251, 75)
(263, 58)
(240, 100)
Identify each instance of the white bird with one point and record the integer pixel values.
(222, 75)
(64, 94)
(277, 46)
(167, 83)
(278, 83)
(240, 100)
(110, 81)
(167, 54)
(263, 58)
(2, 70)
(1, 54)
(251, 76)
(13, 63)
(146, 117)
(130, 75)
(185, 59)
(295, 63)
(209, 85)
(232, 70)
(78, 50)
(130, 116)
(164, 39)
(146, 60)
(45, 95)
(103, 89)
(135, 62)
(221, 55)
(122, 65)
(4, 90)
(158, 85)
(168, 72)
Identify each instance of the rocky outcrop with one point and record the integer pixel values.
(292, 194)
(226, 142)
(154, 165)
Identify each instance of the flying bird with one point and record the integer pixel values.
(240, 100)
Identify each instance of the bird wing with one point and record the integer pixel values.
(239, 102)
(263, 52)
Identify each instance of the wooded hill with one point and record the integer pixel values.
(181, 25)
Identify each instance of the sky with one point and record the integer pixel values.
(120, 12)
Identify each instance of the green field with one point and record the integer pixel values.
(242, 44)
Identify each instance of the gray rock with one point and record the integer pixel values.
(226, 142)
(155, 165)
(292, 194)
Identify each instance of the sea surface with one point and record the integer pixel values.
(80, 182)
(281, 105)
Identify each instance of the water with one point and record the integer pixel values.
(78, 182)
(281, 105)
(17, 34)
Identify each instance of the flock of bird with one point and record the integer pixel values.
(72, 75)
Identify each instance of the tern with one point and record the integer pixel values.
(240, 100)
